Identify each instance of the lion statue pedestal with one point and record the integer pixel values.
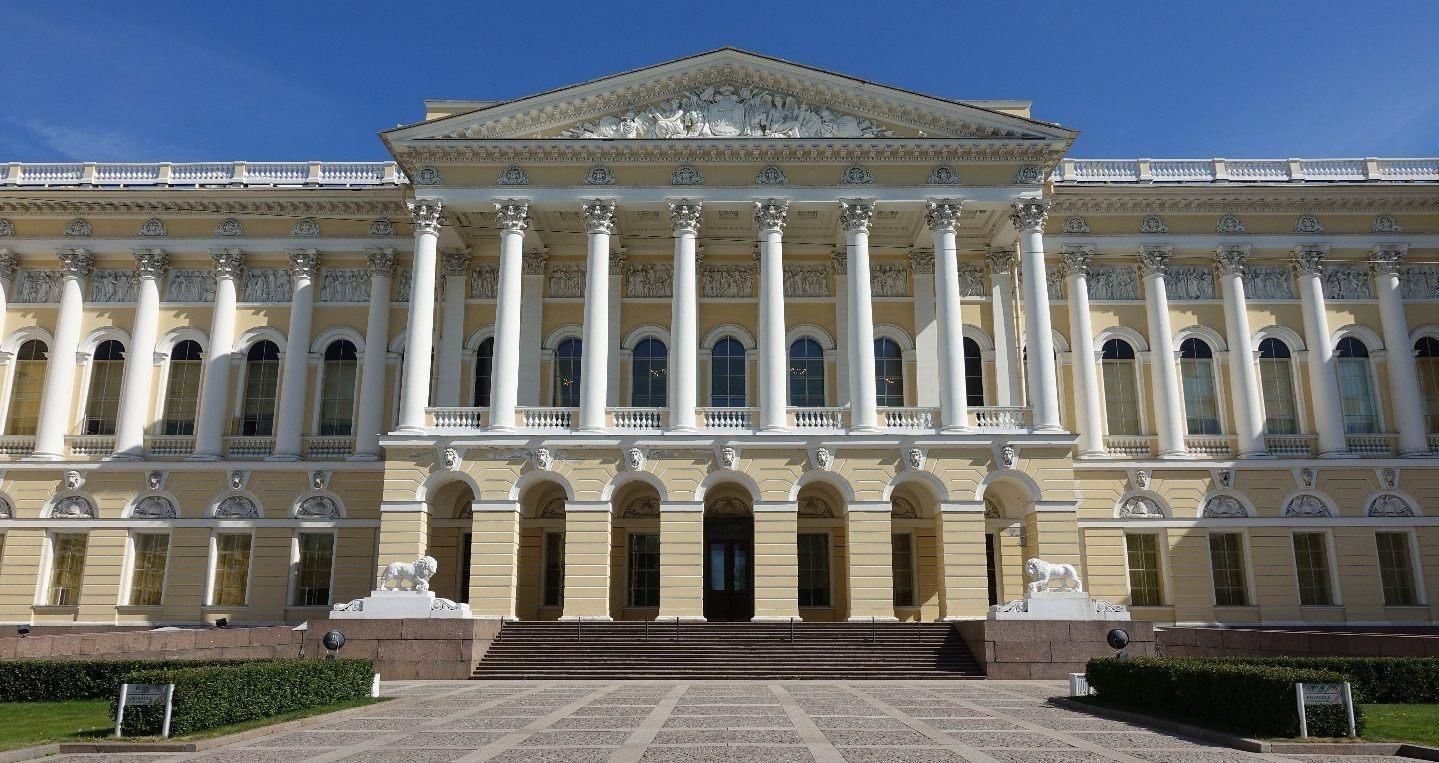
(1055, 592)
(403, 593)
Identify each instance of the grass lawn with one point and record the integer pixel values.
(34, 723)
(1402, 723)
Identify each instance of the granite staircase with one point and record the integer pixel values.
(715, 650)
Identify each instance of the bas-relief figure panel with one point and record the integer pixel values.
(728, 281)
(344, 285)
(649, 280)
(728, 111)
(1189, 282)
(1347, 282)
(889, 280)
(1113, 282)
(485, 281)
(971, 281)
(266, 285)
(566, 280)
(112, 285)
(191, 285)
(39, 286)
(1268, 282)
(1419, 281)
(807, 280)
(401, 289)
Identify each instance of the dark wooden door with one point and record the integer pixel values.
(729, 568)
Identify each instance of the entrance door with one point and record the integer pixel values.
(466, 554)
(729, 571)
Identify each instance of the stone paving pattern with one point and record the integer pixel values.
(723, 722)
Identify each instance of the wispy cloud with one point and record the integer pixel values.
(47, 139)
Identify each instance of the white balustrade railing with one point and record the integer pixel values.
(17, 445)
(327, 447)
(637, 418)
(1000, 417)
(91, 445)
(458, 418)
(728, 418)
(818, 418)
(1245, 170)
(1370, 444)
(1131, 446)
(907, 418)
(547, 418)
(129, 174)
(249, 447)
(169, 445)
(1214, 446)
(1301, 445)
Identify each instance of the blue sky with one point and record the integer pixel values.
(261, 80)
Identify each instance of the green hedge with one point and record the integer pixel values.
(1395, 680)
(219, 695)
(1238, 697)
(61, 680)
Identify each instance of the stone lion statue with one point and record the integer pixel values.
(417, 575)
(1043, 574)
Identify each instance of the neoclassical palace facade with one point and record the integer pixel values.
(723, 338)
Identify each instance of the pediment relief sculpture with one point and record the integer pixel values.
(729, 111)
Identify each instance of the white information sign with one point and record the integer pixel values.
(1323, 694)
(140, 695)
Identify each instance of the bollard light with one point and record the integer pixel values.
(333, 641)
(23, 630)
(223, 622)
(1118, 638)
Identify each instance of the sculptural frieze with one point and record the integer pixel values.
(802, 280)
(191, 285)
(112, 285)
(237, 507)
(266, 285)
(401, 289)
(485, 281)
(728, 281)
(1346, 282)
(1190, 282)
(319, 507)
(566, 280)
(902, 508)
(971, 280)
(649, 280)
(1113, 282)
(73, 507)
(1268, 282)
(727, 111)
(1139, 507)
(888, 280)
(344, 285)
(39, 286)
(815, 507)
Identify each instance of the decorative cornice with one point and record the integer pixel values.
(76, 262)
(1386, 258)
(1230, 258)
(942, 214)
(1309, 259)
(426, 215)
(1074, 259)
(229, 262)
(456, 262)
(685, 216)
(1154, 260)
(304, 263)
(1028, 213)
(771, 215)
(599, 216)
(512, 215)
(730, 151)
(1221, 200)
(855, 214)
(380, 262)
(150, 263)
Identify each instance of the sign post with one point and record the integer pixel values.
(140, 695)
(1323, 694)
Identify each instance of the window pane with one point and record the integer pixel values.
(484, 370)
(1144, 572)
(973, 373)
(1226, 559)
(312, 578)
(1396, 569)
(806, 374)
(1121, 397)
(554, 570)
(813, 569)
(67, 569)
(727, 374)
(649, 385)
(1276, 379)
(1357, 394)
(337, 393)
(182, 390)
(888, 374)
(1196, 373)
(147, 579)
(30, 364)
(644, 570)
(901, 547)
(102, 405)
(262, 383)
(567, 373)
(232, 569)
(1311, 560)
(1426, 352)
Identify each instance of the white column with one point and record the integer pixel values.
(381, 265)
(425, 217)
(1164, 371)
(215, 382)
(1089, 414)
(532, 318)
(452, 328)
(513, 218)
(9, 266)
(59, 390)
(595, 358)
(150, 267)
(1243, 375)
(685, 218)
(1403, 375)
(942, 215)
(1323, 378)
(612, 364)
(839, 261)
(296, 369)
(770, 217)
(1028, 218)
(926, 329)
(1007, 383)
(855, 217)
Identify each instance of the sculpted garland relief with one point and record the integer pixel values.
(726, 111)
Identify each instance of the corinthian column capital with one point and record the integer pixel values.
(380, 262)
(75, 262)
(1074, 259)
(304, 263)
(685, 216)
(1028, 213)
(942, 214)
(1230, 258)
(512, 215)
(1309, 259)
(229, 262)
(1001, 261)
(149, 263)
(456, 262)
(599, 216)
(1154, 260)
(921, 261)
(771, 214)
(1386, 258)
(426, 215)
(856, 214)
(9, 264)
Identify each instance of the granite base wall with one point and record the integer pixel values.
(410, 649)
(133, 644)
(1047, 649)
(1267, 642)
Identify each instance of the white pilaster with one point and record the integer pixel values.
(1089, 414)
(9, 266)
(304, 264)
(1164, 371)
(855, 218)
(381, 265)
(942, 215)
(456, 266)
(425, 217)
(684, 317)
(926, 329)
(1008, 388)
(1403, 374)
(1323, 380)
(612, 361)
(839, 261)
(1028, 219)
(770, 217)
(513, 218)
(594, 361)
(1243, 375)
(532, 318)
(59, 391)
(215, 383)
(150, 267)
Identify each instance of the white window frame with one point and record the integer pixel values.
(1300, 410)
(215, 557)
(47, 563)
(240, 363)
(1216, 355)
(1246, 552)
(127, 582)
(294, 576)
(88, 347)
(317, 397)
(1140, 400)
(1416, 567)
(1337, 594)
(9, 359)
(1371, 363)
(1166, 586)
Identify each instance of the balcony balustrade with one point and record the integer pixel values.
(249, 447)
(200, 174)
(459, 418)
(907, 418)
(728, 418)
(1289, 445)
(90, 445)
(1370, 444)
(1210, 446)
(329, 448)
(818, 418)
(547, 418)
(17, 445)
(1130, 446)
(1009, 418)
(638, 418)
(169, 445)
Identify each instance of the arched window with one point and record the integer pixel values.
(567, 373)
(337, 390)
(1426, 360)
(973, 373)
(650, 374)
(1276, 381)
(806, 374)
(182, 390)
(1121, 387)
(262, 381)
(1356, 387)
(107, 372)
(30, 364)
(1201, 401)
(727, 374)
(888, 374)
(484, 372)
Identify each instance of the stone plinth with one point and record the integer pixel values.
(401, 605)
(410, 649)
(1059, 605)
(1047, 649)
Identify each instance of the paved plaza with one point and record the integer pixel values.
(725, 722)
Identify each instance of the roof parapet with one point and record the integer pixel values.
(200, 174)
(1163, 171)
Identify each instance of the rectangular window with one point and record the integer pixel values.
(312, 574)
(232, 570)
(901, 547)
(813, 569)
(1226, 560)
(1356, 395)
(554, 584)
(262, 385)
(67, 568)
(337, 398)
(1201, 406)
(644, 570)
(147, 576)
(1121, 397)
(182, 398)
(102, 408)
(1311, 561)
(991, 577)
(1396, 570)
(1142, 550)
(25, 394)
(1277, 381)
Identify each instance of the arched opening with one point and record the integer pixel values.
(1121, 387)
(1356, 387)
(262, 389)
(1201, 398)
(107, 374)
(1008, 539)
(1276, 381)
(337, 389)
(888, 373)
(182, 390)
(973, 373)
(484, 365)
(449, 539)
(727, 374)
(728, 554)
(649, 380)
(806, 374)
(822, 543)
(30, 364)
(541, 578)
(635, 552)
(567, 373)
(1426, 361)
(914, 545)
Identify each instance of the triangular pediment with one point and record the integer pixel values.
(728, 93)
